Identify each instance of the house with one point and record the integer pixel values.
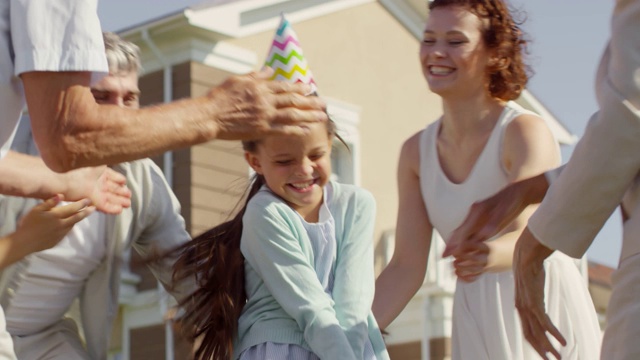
(364, 56)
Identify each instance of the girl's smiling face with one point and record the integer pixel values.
(296, 168)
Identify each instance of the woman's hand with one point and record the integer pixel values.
(471, 260)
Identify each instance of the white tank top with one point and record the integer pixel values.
(448, 203)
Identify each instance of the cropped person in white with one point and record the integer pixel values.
(39, 46)
(39, 290)
(57, 36)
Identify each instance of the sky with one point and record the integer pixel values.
(567, 38)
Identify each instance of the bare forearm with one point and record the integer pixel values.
(535, 189)
(12, 250)
(501, 252)
(73, 131)
(28, 176)
(393, 295)
(501, 249)
(110, 135)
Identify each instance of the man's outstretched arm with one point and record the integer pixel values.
(73, 131)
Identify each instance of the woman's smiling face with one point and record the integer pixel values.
(453, 55)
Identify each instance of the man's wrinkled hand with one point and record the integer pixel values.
(251, 106)
(529, 276)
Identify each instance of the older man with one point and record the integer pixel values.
(39, 289)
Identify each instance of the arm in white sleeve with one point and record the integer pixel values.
(607, 158)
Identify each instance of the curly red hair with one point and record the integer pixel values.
(507, 72)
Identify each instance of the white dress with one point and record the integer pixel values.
(486, 325)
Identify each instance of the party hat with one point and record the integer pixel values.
(286, 58)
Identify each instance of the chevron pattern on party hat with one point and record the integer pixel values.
(286, 57)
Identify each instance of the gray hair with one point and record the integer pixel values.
(122, 55)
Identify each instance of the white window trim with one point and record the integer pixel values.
(216, 54)
(406, 15)
(347, 117)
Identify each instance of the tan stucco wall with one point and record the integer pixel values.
(364, 56)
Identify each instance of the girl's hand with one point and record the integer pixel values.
(46, 224)
(471, 260)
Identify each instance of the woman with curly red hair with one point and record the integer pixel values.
(472, 57)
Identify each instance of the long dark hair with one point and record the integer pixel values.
(210, 314)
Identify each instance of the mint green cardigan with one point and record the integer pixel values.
(286, 302)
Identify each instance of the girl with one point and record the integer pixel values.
(305, 245)
(471, 56)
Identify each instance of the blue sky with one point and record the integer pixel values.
(567, 39)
